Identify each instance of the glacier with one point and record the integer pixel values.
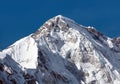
(62, 52)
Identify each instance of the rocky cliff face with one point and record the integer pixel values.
(62, 52)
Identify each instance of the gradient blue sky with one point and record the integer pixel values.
(19, 18)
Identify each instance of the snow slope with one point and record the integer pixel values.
(62, 52)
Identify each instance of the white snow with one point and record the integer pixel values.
(110, 43)
(24, 52)
(69, 54)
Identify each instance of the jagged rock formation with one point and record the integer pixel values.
(62, 52)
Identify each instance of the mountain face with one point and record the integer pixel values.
(62, 52)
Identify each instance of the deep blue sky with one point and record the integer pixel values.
(19, 18)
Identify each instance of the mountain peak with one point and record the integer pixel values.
(58, 21)
(59, 16)
(62, 52)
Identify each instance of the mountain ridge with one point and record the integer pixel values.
(62, 52)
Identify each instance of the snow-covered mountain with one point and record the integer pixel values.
(62, 52)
